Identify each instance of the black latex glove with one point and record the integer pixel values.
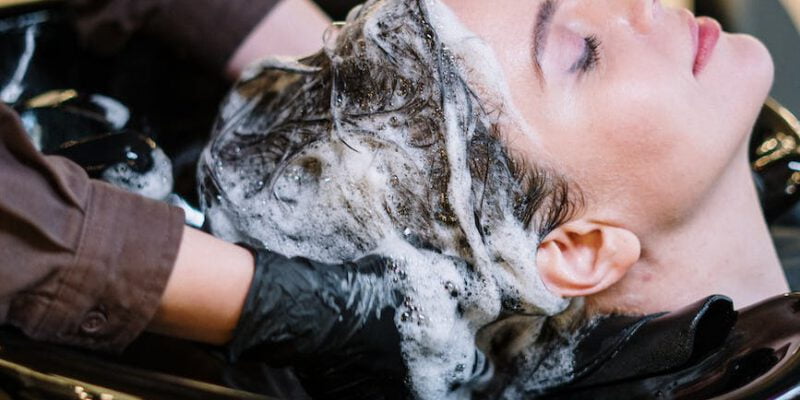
(334, 323)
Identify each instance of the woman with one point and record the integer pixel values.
(672, 75)
(551, 144)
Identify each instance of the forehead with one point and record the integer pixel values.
(490, 18)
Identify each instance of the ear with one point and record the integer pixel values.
(581, 258)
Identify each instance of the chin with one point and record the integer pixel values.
(742, 75)
(756, 66)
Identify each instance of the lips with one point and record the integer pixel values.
(706, 32)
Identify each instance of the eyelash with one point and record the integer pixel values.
(591, 55)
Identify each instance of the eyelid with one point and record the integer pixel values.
(542, 27)
(590, 56)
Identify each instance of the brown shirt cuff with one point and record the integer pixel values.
(207, 30)
(81, 262)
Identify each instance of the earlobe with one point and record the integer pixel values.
(582, 258)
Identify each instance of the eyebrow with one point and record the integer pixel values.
(544, 17)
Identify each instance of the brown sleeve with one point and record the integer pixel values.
(81, 262)
(206, 30)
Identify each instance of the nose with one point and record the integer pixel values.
(643, 15)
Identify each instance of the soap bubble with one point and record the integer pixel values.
(386, 142)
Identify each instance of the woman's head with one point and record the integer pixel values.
(388, 142)
(618, 100)
(392, 131)
(639, 105)
(548, 141)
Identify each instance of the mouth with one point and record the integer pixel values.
(706, 32)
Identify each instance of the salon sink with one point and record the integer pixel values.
(40, 371)
(100, 112)
(172, 101)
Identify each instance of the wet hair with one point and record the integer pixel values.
(380, 93)
(386, 134)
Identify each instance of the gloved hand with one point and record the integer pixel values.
(334, 323)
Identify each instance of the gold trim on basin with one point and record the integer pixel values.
(12, 3)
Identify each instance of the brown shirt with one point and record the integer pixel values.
(81, 262)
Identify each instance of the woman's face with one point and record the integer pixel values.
(620, 101)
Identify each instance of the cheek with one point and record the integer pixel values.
(642, 145)
(640, 124)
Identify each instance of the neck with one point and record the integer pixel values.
(723, 248)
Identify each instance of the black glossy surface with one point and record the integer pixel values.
(757, 358)
(169, 99)
(96, 154)
(72, 367)
(57, 117)
(775, 157)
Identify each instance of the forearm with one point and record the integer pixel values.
(206, 291)
(292, 28)
(87, 264)
(223, 35)
(208, 31)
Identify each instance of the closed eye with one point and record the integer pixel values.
(590, 56)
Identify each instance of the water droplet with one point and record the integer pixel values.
(405, 316)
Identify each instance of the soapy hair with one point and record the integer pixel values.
(375, 99)
(386, 136)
